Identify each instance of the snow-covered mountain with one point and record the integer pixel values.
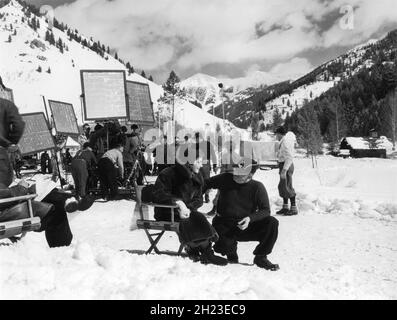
(34, 68)
(204, 89)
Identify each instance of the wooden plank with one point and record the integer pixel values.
(21, 198)
(158, 225)
(12, 228)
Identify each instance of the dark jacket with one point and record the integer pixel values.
(178, 182)
(11, 124)
(89, 158)
(238, 201)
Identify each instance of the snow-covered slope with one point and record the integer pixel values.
(20, 59)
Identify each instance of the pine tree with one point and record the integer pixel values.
(116, 56)
(15, 32)
(9, 38)
(52, 39)
(277, 119)
(143, 74)
(171, 91)
(60, 45)
(39, 69)
(108, 50)
(47, 36)
(49, 70)
(309, 131)
(151, 78)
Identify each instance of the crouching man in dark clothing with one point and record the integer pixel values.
(182, 185)
(243, 214)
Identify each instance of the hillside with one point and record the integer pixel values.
(289, 97)
(362, 102)
(34, 68)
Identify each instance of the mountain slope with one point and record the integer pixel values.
(21, 58)
(288, 98)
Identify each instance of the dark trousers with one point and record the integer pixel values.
(80, 176)
(194, 231)
(108, 177)
(6, 174)
(285, 188)
(205, 171)
(56, 224)
(265, 231)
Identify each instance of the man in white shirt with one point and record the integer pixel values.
(286, 166)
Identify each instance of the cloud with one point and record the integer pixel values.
(366, 19)
(190, 34)
(290, 70)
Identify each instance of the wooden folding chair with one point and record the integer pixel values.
(161, 226)
(11, 229)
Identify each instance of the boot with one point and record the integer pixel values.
(193, 253)
(292, 212)
(284, 210)
(232, 257)
(208, 257)
(263, 262)
(71, 205)
(86, 203)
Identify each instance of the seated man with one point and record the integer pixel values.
(182, 185)
(243, 214)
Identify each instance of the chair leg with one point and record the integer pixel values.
(154, 242)
(180, 249)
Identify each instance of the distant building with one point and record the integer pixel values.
(358, 147)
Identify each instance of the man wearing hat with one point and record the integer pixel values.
(243, 214)
(286, 166)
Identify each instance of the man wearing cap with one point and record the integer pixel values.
(243, 214)
(286, 166)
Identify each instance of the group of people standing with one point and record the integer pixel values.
(109, 162)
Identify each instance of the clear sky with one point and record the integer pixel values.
(229, 38)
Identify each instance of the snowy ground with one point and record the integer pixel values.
(342, 245)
